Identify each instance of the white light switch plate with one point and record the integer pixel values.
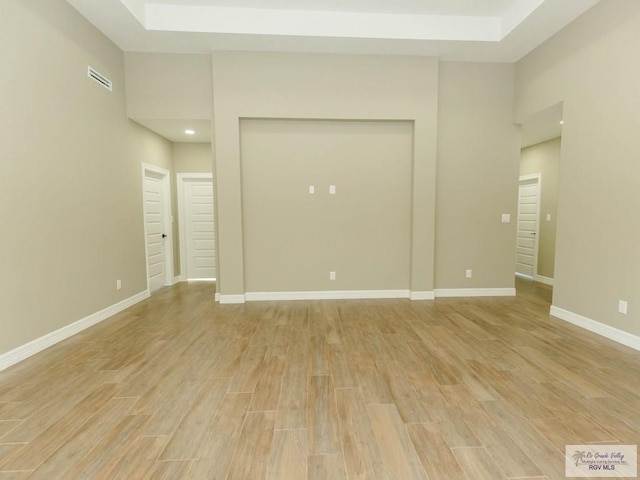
(622, 307)
(506, 218)
(312, 189)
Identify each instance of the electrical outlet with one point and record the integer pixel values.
(332, 275)
(469, 273)
(622, 307)
(312, 189)
(332, 189)
(118, 284)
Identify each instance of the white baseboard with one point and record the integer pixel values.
(27, 350)
(475, 292)
(201, 280)
(612, 333)
(422, 295)
(175, 280)
(231, 298)
(326, 295)
(366, 294)
(217, 297)
(545, 280)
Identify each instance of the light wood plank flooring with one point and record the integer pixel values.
(178, 387)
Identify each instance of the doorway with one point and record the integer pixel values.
(197, 230)
(157, 226)
(528, 229)
(540, 157)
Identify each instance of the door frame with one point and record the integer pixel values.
(167, 220)
(182, 226)
(538, 178)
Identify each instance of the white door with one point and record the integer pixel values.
(528, 221)
(197, 231)
(157, 227)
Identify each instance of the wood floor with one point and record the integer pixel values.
(178, 387)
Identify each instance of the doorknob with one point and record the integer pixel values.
(164, 235)
(532, 233)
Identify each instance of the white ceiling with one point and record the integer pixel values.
(457, 30)
(432, 7)
(453, 30)
(174, 129)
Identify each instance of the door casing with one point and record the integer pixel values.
(532, 179)
(167, 220)
(182, 220)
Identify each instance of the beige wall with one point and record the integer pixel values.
(168, 86)
(544, 158)
(293, 239)
(335, 87)
(591, 67)
(478, 151)
(70, 174)
(192, 158)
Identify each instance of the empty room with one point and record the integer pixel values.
(317, 240)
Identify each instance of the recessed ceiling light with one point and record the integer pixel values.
(190, 132)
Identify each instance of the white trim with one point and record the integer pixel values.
(27, 350)
(168, 221)
(475, 292)
(190, 280)
(523, 275)
(176, 279)
(422, 295)
(607, 331)
(231, 298)
(216, 297)
(545, 280)
(531, 176)
(326, 295)
(366, 294)
(182, 228)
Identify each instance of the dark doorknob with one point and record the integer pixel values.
(164, 235)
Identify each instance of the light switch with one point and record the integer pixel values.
(506, 218)
(548, 217)
(622, 307)
(312, 189)
(332, 189)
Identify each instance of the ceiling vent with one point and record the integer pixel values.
(101, 79)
